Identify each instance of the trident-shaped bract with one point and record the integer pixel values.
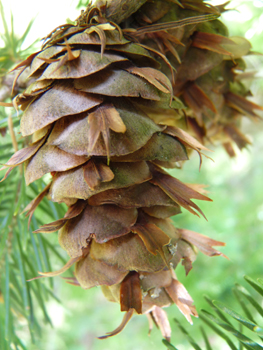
(105, 122)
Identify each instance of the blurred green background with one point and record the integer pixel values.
(235, 217)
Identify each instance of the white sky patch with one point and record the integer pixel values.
(48, 15)
(258, 3)
(241, 14)
(241, 163)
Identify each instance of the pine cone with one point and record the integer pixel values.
(86, 112)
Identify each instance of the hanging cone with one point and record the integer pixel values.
(103, 119)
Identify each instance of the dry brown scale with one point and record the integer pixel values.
(104, 119)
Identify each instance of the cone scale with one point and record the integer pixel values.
(104, 109)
